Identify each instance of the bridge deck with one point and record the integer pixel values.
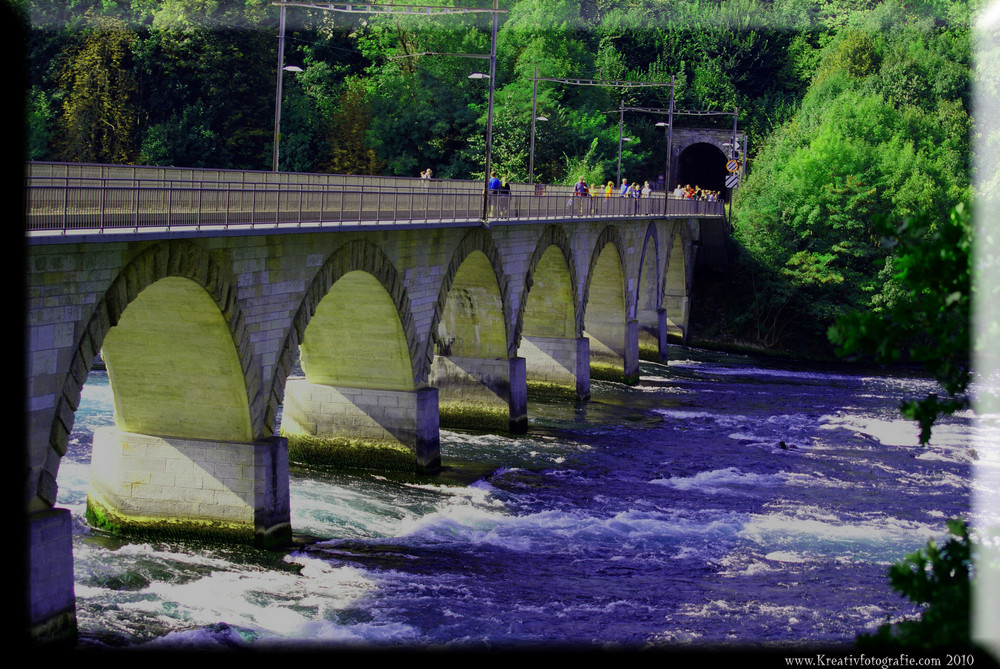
(82, 200)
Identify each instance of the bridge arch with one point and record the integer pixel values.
(359, 401)
(549, 332)
(677, 279)
(173, 368)
(174, 259)
(186, 456)
(550, 284)
(606, 311)
(473, 301)
(358, 258)
(474, 366)
(648, 300)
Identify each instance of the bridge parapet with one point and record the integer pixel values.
(102, 199)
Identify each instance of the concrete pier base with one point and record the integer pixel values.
(653, 335)
(481, 393)
(677, 313)
(148, 485)
(50, 596)
(367, 428)
(557, 366)
(616, 361)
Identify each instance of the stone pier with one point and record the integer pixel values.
(362, 427)
(161, 486)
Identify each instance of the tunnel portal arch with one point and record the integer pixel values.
(703, 165)
(698, 157)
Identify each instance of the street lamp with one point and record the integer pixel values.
(620, 141)
(489, 123)
(376, 8)
(531, 152)
(277, 92)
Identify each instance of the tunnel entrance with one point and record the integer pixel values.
(703, 165)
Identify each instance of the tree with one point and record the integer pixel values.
(100, 116)
(860, 148)
(940, 580)
(928, 322)
(349, 153)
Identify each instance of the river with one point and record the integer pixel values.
(724, 502)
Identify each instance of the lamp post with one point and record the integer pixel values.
(531, 152)
(278, 86)
(620, 141)
(534, 117)
(277, 93)
(670, 140)
(376, 8)
(489, 114)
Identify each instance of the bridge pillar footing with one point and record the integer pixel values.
(487, 394)
(677, 314)
(50, 593)
(148, 485)
(661, 338)
(653, 335)
(557, 366)
(365, 428)
(631, 370)
(619, 360)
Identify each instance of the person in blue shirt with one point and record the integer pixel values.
(493, 186)
(625, 188)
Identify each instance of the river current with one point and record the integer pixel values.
(724, 502)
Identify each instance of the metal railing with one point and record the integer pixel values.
(74, 199)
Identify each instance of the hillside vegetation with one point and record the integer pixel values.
(857, 111)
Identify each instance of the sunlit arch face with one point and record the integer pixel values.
(173, 366)
(356, 338)
(648, 287)
(675, 288)
(472, 323)
(549, 308)
(605, 315)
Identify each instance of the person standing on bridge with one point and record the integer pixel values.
(493, 186)
(594, 193)
(580, 190)
(504, 198)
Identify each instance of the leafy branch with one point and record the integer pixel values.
(929, 323)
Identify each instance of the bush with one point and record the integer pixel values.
(940, 579)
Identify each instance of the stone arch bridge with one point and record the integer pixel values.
(364, 336)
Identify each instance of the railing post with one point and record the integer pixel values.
(65, 206)
(101, 200)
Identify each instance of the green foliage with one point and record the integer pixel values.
(204, 73)
(879, 135)
(940, 580)
(100, 118)
(928, 320)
